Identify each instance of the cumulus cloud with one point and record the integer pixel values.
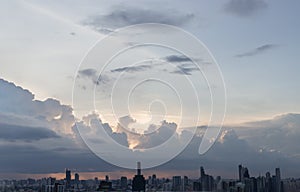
(260, 145)
(38, 137)
(18, 107)
(281, 134)
(91, 127)
(245, 8)
(121, 16)
(258, 50)
(157, 135)
(227, 152)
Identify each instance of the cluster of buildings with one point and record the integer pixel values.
(206, 182)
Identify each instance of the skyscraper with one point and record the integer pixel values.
(139, 182)
(123, 183)
(176, 183)
(76, 178)
(68, 178)
(240, 172)
(278, 180)
(243, 173)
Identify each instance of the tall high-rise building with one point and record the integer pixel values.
(240, 172)
(202, 172)
(123, 182)
(176, 183)
(278, 180)
(76, 178)
(154, 180)
(68, 178)
(243, 173)
(185, 183)
(138, 182)
(206, 182)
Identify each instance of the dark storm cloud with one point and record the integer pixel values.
(258, 50)
(32, 159)
(245, 8)
(18, 132)
(228, 152)
(123, 16)
(132, 69)
(254, 144)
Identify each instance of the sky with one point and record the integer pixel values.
(50, 55)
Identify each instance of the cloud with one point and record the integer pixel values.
(281, 133)
(121, 16)
(18, 132)
(245, 8)
(132, 69)
(260, 145)
(184, 70)
(91, 126)
(258, 50)
(184, 64)
(91, 74)
(32, 159)
(87, 72)
(18, 107)
(156, 135)
(177, 58)
(38, 136)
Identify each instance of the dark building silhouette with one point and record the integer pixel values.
(278, 180)
(123, 183)
(138, 182)
(68, 178)
(176, 183)
(205, 183)
(243, 173)
(185, 183)
(76, 178)
(105, 186)
(58, 188)
(265, 183)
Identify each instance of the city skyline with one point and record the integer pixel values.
(95, 86)
(204, 182)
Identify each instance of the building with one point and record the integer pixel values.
(58, 188)
(243, 173)
(176, 183)
(123, 183)
(105, 186)
(278, 180)
(68, 178)
(76, 178)
(138, 182)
